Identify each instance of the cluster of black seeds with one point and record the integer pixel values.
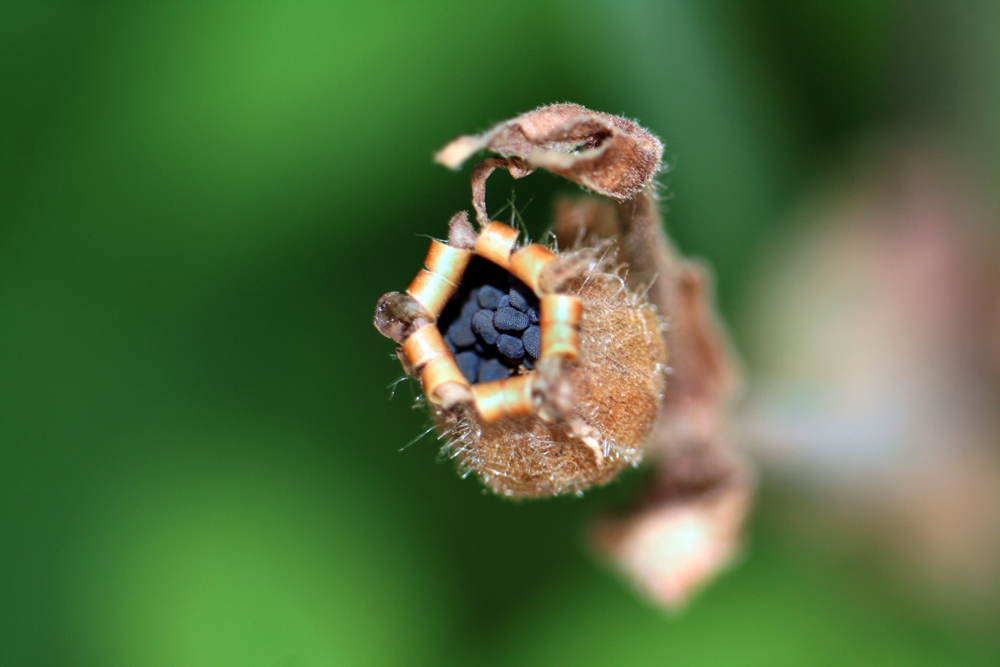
(491, 323)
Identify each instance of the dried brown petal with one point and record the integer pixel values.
(608, 154)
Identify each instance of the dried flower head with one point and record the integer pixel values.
(545, 367)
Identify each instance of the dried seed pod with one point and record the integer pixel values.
(576, 419)
(545, 370)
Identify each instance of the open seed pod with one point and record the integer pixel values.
(544, 370)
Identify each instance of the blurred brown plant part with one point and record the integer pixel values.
(878, 397)
(688, 526)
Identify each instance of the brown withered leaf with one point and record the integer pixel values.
(610, 155)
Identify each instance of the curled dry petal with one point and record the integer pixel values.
(610, 155)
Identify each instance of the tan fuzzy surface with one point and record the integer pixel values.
(616, 386)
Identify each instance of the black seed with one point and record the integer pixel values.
(482, 325)
(508, 319)
(489, 297)
(532, 315)
(532, 338)
(491, 370)
(471, 306)
(503, 302)
(469, 363)
(510, 347)
(518, 300)
(460, 331)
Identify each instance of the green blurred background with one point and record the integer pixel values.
(200, 204)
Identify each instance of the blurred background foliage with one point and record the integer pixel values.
(200, 204)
